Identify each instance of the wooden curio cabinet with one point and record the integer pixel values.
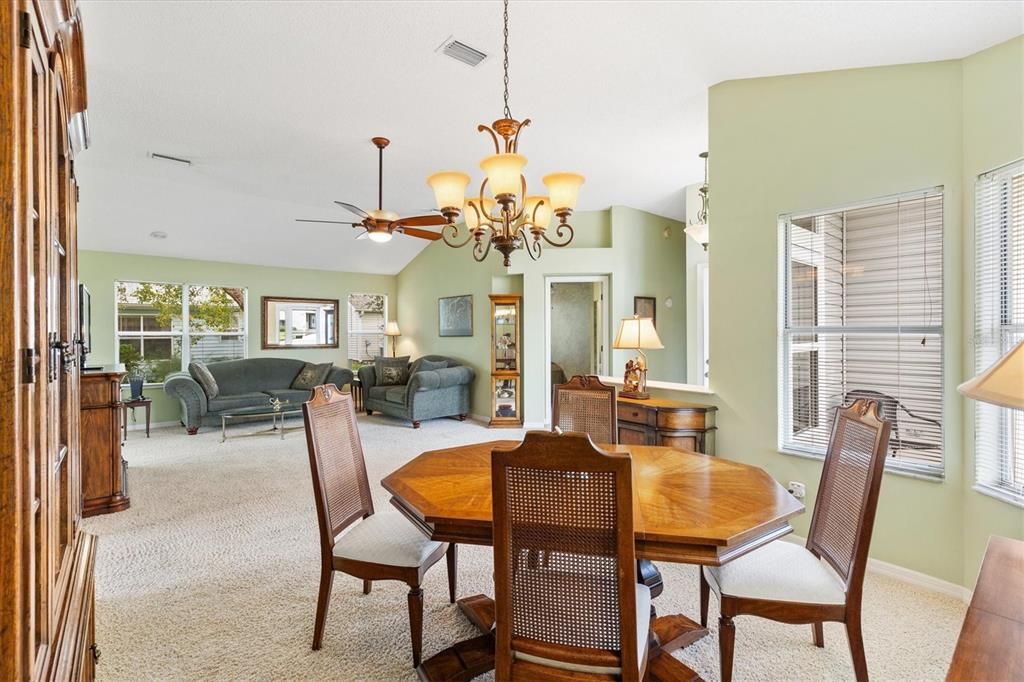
(46, 560)
(506, 360)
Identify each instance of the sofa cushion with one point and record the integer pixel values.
(391, 371)
(395, 395)
(379, 393)
(311, 376)
(233, 402)
(289, 395)
(250, 375)
(201, 373)
(424, 365)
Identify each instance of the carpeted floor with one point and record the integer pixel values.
(212, 575)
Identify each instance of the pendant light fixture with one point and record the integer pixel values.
(507, 218)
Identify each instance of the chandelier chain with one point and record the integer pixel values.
(508, 112)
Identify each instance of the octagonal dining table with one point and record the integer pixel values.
(687, 508)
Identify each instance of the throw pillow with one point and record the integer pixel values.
(201, 373)
(391, 371)
(312, 376)
(424, 365)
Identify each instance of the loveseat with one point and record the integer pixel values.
(427, 394)
(241, 383)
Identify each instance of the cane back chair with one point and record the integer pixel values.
(585, 405)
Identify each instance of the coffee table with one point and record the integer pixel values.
(274, 410)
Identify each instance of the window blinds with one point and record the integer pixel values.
(367, 315)
(861, 316)
(999, 323)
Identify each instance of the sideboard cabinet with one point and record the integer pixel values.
(104, 473)
(673, 423)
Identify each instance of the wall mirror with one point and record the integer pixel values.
(289, 322)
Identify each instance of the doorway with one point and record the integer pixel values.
(577, 329)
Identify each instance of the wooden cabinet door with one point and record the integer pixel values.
(630, 434)
(685, 442)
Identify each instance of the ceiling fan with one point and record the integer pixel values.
(379, 225)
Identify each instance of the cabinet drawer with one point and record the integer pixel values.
(635, 415)
(681, 419)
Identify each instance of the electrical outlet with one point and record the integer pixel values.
(797, 489)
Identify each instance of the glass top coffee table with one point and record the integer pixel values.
(275, 409)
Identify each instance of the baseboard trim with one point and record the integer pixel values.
(908, 576)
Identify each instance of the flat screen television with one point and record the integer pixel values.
(84, 323)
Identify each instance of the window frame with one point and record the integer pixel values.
(936, 473)
(185, 333)
(348, 322)
(1001, 490)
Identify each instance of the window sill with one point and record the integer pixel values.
(907, 473)
(1000, 494)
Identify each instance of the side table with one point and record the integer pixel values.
(356, 389)
(138, 402)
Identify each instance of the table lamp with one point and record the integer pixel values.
(1002, 383)
(392, 331)
(636, 333)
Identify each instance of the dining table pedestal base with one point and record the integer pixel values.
(473, 657)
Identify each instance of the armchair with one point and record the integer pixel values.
(428, 394)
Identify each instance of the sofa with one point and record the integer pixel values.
(428, 394)
(241, 383)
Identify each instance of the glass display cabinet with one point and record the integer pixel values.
(506, 365)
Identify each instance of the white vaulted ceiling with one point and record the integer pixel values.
(275, 103)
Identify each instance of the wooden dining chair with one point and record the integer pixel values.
(585, 405)
(376, 546)
(788, 583)
(580, 614)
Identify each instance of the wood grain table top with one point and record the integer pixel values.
(688, 507)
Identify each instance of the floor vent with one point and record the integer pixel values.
(462, 52)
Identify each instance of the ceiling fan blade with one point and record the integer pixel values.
(353, 209)
(422, 234)
(363, 235)
(331, 222)
(421, 221)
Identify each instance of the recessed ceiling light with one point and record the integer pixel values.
(174, 159)
(158, 234)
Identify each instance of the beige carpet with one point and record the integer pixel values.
(212, 575)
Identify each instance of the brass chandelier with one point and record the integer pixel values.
(522, 220)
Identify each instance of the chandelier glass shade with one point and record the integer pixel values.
(502, 215)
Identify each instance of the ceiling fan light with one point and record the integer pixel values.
(504, 173)
(473, 212)
(449, 188)
(379, 236)
(564, 189)
(537, 211)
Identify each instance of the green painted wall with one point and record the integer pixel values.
(802, 142)
(99, 270)
(624, 243)
(993, 110)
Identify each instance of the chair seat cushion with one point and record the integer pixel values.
(779, 571)
(233, 402)
(385, 538)
(643, 626)
(395, 395)
(379, 393)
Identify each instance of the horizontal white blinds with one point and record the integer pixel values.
(999, 322)
(862, 317)
(367, 316)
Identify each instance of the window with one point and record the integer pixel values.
(861, 316)
(162, 327)
(999, 324)
(367, 316)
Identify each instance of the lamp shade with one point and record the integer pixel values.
(698, 232)
(564, 188)
(504, 173)
(1002, 383)
(474, 216)
(537, 211)
(379, 236)
(637, 332)
(449, 188)
(392, 329)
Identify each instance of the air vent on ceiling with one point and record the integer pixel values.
(461, 51)
(166, 157)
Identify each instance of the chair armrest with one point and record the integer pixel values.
(182, 386)
(367, 377)
(339, 376)
(441, 378)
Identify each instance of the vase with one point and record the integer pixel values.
(135, 383)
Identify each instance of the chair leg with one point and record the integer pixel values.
(705, 597)
(860, 662)
(819, 634)
(367, 586)
(726, 643)
(322, 601)
(416, 622)
(452, 555)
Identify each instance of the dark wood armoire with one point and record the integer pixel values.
(46, 561)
